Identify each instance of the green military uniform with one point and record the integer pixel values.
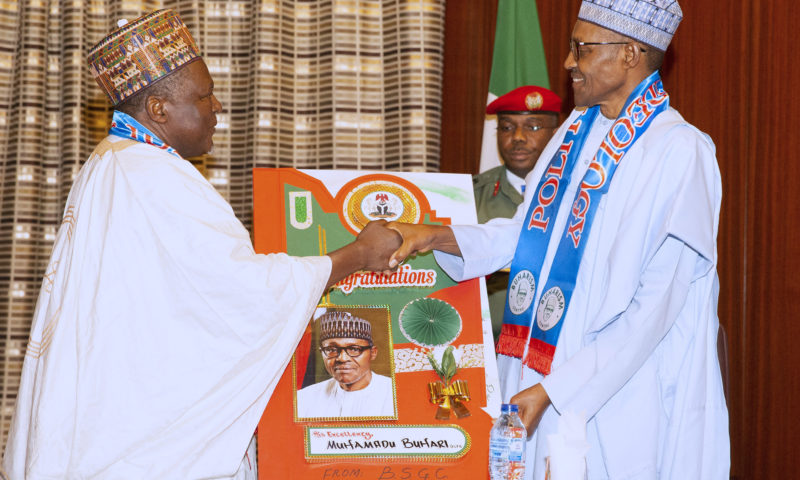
(495, 197)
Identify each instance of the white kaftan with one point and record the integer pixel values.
(637, 350)
(328, 399)
(159, 334)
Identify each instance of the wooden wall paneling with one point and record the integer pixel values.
(712, 89)
(770, 427)
(469, 40)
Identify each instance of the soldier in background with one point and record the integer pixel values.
(526, 119)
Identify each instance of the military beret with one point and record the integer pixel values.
(527, 99)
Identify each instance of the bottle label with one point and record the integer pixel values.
(499, 448)
(515, 449)
(508, 448)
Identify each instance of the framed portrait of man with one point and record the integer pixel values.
(347, 373)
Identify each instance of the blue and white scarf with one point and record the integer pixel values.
(642, 106)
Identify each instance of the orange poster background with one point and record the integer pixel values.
(281, 439)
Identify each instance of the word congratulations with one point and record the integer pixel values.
(405, 276)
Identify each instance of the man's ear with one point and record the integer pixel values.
(633, 55)
(373, 353)
(155, 109)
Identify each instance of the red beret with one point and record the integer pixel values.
(527, 99)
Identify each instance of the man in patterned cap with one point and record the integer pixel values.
(353, 390)
(526, 119)
(617, 237)
(159, 334)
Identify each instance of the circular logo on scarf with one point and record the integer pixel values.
(551, 308)
(534, 101)
(521, 291)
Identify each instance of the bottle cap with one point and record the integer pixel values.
(509, 408)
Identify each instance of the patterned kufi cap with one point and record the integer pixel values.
(652, 22)
(343, 325)
(140, 53)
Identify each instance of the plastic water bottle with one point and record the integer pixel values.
(507, 445)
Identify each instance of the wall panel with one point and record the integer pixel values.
(469, 33)
(769, 433)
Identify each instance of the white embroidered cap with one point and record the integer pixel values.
(652, 22)
(343, 325)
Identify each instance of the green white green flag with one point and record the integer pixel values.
(518, 60)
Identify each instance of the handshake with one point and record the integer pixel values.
(381, 246)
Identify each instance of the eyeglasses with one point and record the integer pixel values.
(530, 128)
(352, 350)
(574, 47)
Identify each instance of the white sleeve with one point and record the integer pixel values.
(485, 248)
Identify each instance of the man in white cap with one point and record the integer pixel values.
(159, 334)
(353, 390)
(617, 236)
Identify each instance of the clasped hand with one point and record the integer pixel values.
(377, 244)
(386, 245)
(421, 238)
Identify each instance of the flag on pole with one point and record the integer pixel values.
(518, 59)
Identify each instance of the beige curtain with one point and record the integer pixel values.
(345, 84)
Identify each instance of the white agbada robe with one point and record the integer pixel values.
(159, 334)
(637, 351)
(328, 399)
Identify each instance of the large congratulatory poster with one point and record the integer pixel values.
(395, 376)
